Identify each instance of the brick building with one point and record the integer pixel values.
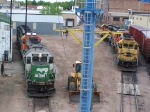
(116, 11)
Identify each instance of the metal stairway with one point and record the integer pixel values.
(87, 57)
(89, 15)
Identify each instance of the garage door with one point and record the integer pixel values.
(70, 23)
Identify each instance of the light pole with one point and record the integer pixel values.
(130, 12)
(130, 17)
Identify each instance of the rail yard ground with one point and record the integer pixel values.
(13, 96)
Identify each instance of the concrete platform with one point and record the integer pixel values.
(128, 89)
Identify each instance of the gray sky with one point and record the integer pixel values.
(48, 0)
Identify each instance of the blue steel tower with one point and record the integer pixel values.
(90, 17)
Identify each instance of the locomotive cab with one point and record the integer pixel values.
(127, 52)
(40, 74)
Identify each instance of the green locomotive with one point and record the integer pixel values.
(38, 63)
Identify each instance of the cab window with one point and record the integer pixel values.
(125, 45)
(51, 60)
(28, 60)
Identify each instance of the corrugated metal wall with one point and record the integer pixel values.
(41, 27)
(5, 43)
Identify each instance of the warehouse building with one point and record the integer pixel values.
(70, 19)
(41, 24)
(141, 20)
(5, 38)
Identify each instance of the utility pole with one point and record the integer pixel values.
(10, 23)
(26, 18)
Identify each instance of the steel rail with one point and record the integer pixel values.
(121, 104)
(34, 104)
(135, 94)
(134, 81)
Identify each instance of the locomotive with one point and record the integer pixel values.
(38, 63)
(114, 37)
(127, 53)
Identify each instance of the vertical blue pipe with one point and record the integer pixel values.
(87, 56)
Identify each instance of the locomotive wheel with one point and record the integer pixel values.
(69, 80)
(72, 86)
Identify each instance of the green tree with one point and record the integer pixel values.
(40, 2)
(29, 2)
(51, 10)
(65, 5)
(34, 2)
(22, 3)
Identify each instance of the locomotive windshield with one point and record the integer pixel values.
(39, 59)
(128, 45)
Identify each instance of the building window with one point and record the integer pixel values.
(149, 20)
(14, 25)
(54, 26)
(133, 17)
(116, 18)
(140, 18)
(136, 18)
(34, 26)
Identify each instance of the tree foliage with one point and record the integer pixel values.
(54, 6)
(51, 10)
(65, 5)
(33, 2)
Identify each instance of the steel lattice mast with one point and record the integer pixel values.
(89, 18)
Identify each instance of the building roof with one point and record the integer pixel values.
(143, 15)
(31, 11)
(141, 28)
(7, 2)
(38, 18)
(146, 33)
(119, 14)
(4, 18)
(68, 12)
(31, 6)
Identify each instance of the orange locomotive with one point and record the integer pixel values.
(114, 37)
(25, 37)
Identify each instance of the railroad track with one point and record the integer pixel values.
(129, 100)
(37, 104)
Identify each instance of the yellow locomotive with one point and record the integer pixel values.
(127, 53)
